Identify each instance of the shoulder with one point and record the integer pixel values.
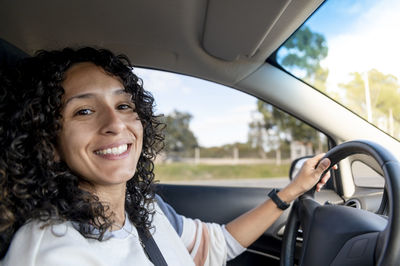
(40, 244)
(175, 219)
(40, 232)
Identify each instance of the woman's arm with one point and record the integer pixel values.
(251, 225)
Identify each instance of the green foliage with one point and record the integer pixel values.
(216, 152)
(245, 150)
(179, 138)
(384, 95)
(284, 127)
(184, 171)
(304, 51)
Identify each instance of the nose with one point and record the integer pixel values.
(111, 122)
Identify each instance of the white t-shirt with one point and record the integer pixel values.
(62, 245)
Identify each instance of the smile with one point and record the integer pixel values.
(115, 150)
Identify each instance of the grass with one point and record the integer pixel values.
(186, 171)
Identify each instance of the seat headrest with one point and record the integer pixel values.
(10, 54)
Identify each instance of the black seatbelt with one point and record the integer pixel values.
(151, 248)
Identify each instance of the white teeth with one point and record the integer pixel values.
(116, 150)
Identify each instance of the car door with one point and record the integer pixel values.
(221, 204)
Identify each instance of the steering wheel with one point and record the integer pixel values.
(340, 235)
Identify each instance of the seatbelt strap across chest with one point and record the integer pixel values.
(151, 248)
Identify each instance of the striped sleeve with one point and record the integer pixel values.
(208, 243)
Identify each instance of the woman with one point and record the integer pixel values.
(76, 171)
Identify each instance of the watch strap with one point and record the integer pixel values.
(278, 201)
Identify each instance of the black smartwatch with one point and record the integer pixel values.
(275, 198)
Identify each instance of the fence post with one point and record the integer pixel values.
(196, 155)
(235, 154)
(278, 156)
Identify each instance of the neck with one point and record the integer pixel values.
(114, 198)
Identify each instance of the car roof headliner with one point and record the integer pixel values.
(219, 40)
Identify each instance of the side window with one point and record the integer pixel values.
(217, 135)
(365, 176)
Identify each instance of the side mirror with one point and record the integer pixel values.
(296, 166)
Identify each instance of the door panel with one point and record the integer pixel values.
(222, 204)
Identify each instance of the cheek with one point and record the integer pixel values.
(140, 130)
(139, 138)
(140, 135)
(71, 141)
(137, 129)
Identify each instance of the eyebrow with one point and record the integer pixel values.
(92, 95)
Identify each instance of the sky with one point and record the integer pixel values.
(220, 114)
(361, 35)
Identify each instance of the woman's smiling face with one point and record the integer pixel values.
(101, 135)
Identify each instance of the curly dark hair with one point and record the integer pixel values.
(32, 184)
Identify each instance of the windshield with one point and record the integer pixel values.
(349, 50)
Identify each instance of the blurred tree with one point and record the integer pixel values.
(257, 137)
(245, 150)
(384, 93)
(303, 53)
(179, 138)
(276, 129)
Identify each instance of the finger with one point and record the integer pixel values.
(314, 160)
(325, 178)
(323, 181)
(323, 165)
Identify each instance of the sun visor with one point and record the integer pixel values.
(237, 28)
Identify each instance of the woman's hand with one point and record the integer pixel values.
(308, 176)
(249, 226)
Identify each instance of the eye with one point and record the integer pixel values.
(84, 112)
(124, 106)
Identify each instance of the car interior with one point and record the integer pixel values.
(234, 43)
